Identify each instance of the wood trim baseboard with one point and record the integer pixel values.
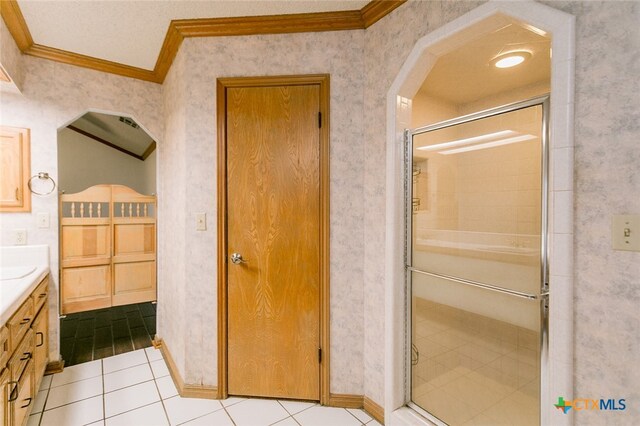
(357, 401)
(212, 27)
(184, 389)
(374, 409)
(345, 400)
(54, 367)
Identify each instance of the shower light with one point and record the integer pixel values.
(467, 141)
(492, 144)
(511, 59)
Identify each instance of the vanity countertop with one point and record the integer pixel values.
(22, 268)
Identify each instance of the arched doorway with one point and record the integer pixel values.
(107, 181)
(557, 355)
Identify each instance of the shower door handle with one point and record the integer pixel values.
(236, 259)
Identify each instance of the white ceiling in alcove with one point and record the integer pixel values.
(132, 32)
(112, 129)
(467, 74)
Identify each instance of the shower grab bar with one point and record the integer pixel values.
(479, 285)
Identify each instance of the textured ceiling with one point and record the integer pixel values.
(132, 32)
(466, 74)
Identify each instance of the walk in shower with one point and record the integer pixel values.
(476, 265)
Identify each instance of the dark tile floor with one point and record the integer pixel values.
(90, 335)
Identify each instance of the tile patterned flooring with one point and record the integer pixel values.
(135, 389)
(97, 334)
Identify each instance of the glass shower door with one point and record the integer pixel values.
(476, 266)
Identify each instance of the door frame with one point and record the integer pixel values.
(322, 80)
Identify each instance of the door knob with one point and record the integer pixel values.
(236, 259)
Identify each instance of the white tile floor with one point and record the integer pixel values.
(135, 389)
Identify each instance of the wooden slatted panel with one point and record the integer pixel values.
(134, 247)
(106, 253)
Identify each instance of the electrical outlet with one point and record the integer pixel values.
(20, 237)
(201, 221)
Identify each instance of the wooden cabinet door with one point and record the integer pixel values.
(15, 169)
(4, 396)
(273, 142)
(41, 353)
(21, 406)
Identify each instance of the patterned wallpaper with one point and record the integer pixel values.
(362, 64)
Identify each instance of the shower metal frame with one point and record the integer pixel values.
(542, 297)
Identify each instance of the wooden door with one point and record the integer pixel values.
(273, 221)
(134, 246)
(14, 169)
(108, 248)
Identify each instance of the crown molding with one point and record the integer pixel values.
(16, 24)
(90, 62)
(375, 10)
(214, 27)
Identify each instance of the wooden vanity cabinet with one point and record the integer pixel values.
(24, 347)
(21, 392)
(4, 396)
(40, 328)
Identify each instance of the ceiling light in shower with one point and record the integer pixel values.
(467, 141)
(493, 144)
(511, 59)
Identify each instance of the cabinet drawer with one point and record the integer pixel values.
(40, 294)
(21, 356)
(21, 397)
(4, 346)
(20, 323)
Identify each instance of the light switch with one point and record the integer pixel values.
(201, 221)
(626, 232)
(43, 220)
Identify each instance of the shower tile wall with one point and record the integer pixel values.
(493, 191)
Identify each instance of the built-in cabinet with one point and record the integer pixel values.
(15, 169)
(23, 356)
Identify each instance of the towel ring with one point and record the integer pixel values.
(42, 176)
